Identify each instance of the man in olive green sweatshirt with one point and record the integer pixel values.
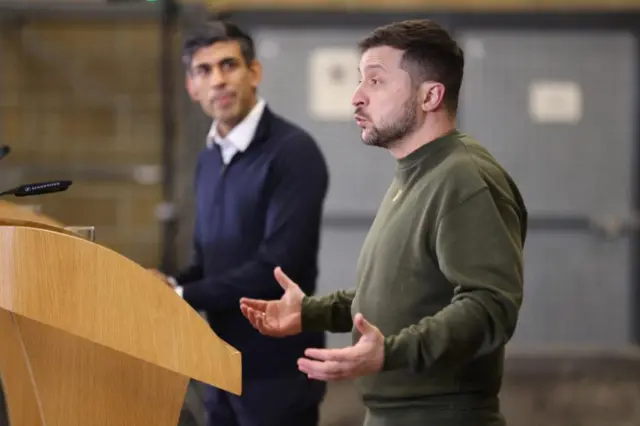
(440, 276)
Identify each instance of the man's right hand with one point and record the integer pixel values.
(277, 318)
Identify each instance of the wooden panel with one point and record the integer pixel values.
(11, 211)
(81, 383)
(20, 394)
(55, 379)
(77, 287)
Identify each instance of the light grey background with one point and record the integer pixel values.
(578, 285)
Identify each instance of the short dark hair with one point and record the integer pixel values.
(429, 54)
(215, 31)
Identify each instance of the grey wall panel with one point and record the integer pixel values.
(359, 174)
(577, 291)
(578, 285)
(338, 259)
(568, 168)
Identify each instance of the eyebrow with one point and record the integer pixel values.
(373, 66)
(225, 60)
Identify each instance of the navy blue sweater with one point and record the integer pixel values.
(262, 210)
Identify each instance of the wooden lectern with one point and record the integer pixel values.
(90, 338)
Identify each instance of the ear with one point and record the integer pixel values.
(191, 89)
(256, 73)
(432, 96)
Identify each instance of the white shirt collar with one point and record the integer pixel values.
(240, 137)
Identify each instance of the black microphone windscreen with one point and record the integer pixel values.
(39, 188)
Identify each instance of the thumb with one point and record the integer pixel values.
(282, 278)
(363, 326)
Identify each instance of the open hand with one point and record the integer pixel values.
(364, 358)
(277, 318)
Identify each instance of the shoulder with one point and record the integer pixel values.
(289, 140)
(286, 132)
(294, 149)
(468, 169)
(206, 156)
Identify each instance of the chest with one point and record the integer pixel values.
(394, 239)
(398, 278)
(232, 196)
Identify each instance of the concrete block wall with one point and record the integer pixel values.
(81, 99)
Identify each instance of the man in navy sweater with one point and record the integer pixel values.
(260, 187)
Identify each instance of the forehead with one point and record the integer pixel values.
(383, 58)
(217, 52)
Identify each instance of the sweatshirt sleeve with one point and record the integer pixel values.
(478, 245)
(330, 313)
(294, 213)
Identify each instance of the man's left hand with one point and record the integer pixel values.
(364, 358)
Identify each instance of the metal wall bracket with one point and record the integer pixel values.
(614, 226)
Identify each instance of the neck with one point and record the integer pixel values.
(431, 129)
(225, 127)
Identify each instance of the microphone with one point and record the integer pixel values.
(38, 188)
(4, 151)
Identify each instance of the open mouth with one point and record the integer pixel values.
(360, 120)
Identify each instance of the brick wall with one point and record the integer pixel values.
(81, 100)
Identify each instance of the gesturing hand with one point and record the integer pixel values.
(277, 318)
(364, 358)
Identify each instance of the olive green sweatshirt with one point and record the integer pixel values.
(441, 275)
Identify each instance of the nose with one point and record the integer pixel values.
(358, 99)
(216, 78)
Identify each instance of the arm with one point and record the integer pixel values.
(294, 212)
(329, 313)
(193, 272)
(478, 245)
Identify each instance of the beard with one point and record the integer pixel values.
(396, 128)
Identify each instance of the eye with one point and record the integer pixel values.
(226, 66)
(229, 64)
(370, 81)
(202, 70)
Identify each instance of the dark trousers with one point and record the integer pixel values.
(291, 401)
(451, 416)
